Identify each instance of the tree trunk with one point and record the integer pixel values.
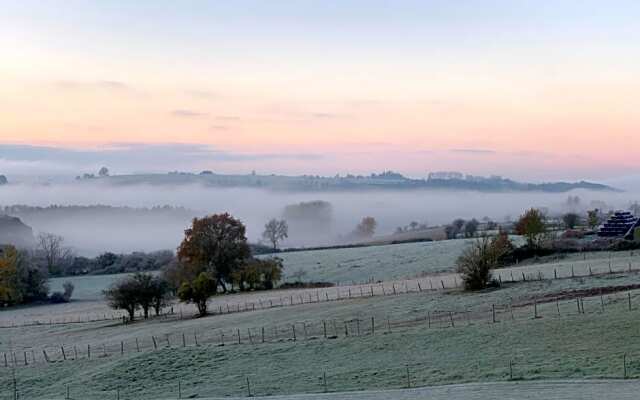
(132, 314)
(202, 308)
(146, 312)
(224, 287)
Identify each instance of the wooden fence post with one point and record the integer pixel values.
(324, 328)
(493, 312)
(511, 370)
(373, 326)
(64, 355)
(324, 380)
(408, 378)
(629, 296)
(155, 344)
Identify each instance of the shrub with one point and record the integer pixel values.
(68, 290)
(476, 262)
(62, 297)
(57, 298)
(198, 291)
(532, 226)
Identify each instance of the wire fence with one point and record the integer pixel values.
(292, 297)
(326, 329)
(518, 367)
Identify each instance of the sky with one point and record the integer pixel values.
(534, 90)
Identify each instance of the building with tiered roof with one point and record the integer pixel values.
(620, 224)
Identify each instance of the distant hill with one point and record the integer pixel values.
(385, 181)
(13, 231)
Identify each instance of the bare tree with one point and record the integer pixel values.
(275, 230)
(53, 250)
(367, 227)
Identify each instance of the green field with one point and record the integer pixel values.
(572, 345)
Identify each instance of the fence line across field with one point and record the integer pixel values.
(325, 380)
(323, 329)
(336, 293)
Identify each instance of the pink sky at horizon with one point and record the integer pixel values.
(553, 107)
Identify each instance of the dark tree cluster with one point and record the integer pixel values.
(111, 263)
(22, 281)
(413, 226)
(139, 291)
(460, 227)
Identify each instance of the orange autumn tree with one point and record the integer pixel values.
(217, 245)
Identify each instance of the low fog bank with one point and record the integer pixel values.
(91, 234)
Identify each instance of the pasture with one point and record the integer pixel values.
(561, 343)
(405, 332)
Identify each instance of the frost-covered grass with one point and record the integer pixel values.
(572, 345)
(374, 263)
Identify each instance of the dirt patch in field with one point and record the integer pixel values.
(572, 294)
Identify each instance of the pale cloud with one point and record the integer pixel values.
(202, 94)
(473, 151)
(101, 84)
(185, 113)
